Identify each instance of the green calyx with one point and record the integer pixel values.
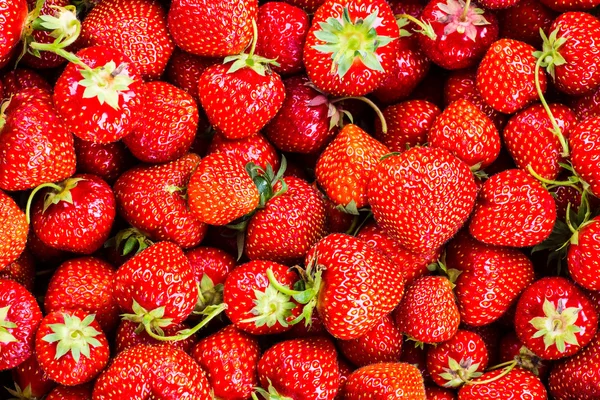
(3, 107)
(131, 241)
(557, 326)
(60, 192)
(258, 64)
(271, 394)
(402, 20)
(5, 325)
(209, 294)
(266, 180)
(73, 336)
(459, 373)
(106, 83)
(20, 394)
(348, 40)
(550, 55)
(270, 307)
(528, 360)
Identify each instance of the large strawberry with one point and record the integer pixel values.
(518, 383)
(585, 146)
(13, 15)
(36, 146)
(381, 381)
(13, 230)
(422, 197)
(351, 46)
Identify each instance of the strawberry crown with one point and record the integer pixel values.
(73, 336)
(5, 325)
(260, 65)
(557, 326)
(458, 373)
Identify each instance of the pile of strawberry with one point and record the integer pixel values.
(309, 199)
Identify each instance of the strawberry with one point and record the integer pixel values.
(254, 305)
(525, 21)
(21, 78)
(310, 6)
(512, 350)
(491, 278)
(31, 381)
(438, 393)
(211, 261)
(531, 142)
(383, 343)
(344, 168)
(127, 335)
(79, 392)
(230, 359)
(506, 76)
(382, 381)
(513, 209)
(351, 46)
(458, 33)
(467, 132)
(145, 371)
(428, 312)
(583, 140)
(211, 29)
(184, 70)
(13, 15)
(583, 255)
(287, 369)
(102, 101)
(408, 124)
(168, 124)
(20, 316)
(254, 148)
(105, 160)
(22, 270)
(71, 347)
(554, 319)
(421, 197)
(85, 283)
(75, 215)
(499, 385)
(458, 360)
(220, 190)
(136, 28)
(570, 5)
(586, 106)
(152, 198)
(36, 147)
(13, 231)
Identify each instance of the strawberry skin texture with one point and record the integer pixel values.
(517, 384)
(13, 15)
(584, 141)
(254, 148)
(33, 124)
(30, 373)
(506, 76)
(513, 209)
(382, 381)
(105, 160)
(230, 358)
(26, 314)
(213, 262)
(13, 231)
(524, 22)
(18, 79)
(184, 70)
(583, 256)
(22, 270)
(143, 372)
(210, 29)
(79, 392)
(360, 285)
(422, 197)
(86, 117)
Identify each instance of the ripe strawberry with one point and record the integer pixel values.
(554, 319)
(506, 76)
(254, 305)
(103, 102)
(587, 105)
(382, 381)
(491, 278)
(13, 231)
(71, 347)
(105, 160)
(145, 371)
(438, 393)
(422, 197)
(516, 384)
(79, 392)
(230, 359)
(211, 29)
(220, 190)
(513, 209)
(22, 270)
(408, 124)
(467, 132)
(36, 147)
(31, 381)
(458, 360)
(85, 283)
(254, 148)
(152, 198)
(136, 28)
(287, 369)
(583, 255)
(184, 70)
(211, 261)
(525, 21)
(21, 78)
(127, 335)
(14, 15)
(351, 46)
(20, 316)
(570, 5)
(168, 124)
(460, 33)
(584, 140)
(428, 312)
(75, 215)
(383, 343)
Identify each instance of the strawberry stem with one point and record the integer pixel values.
(573, 181)
(426, 28)
(34, 192)
(210, 313)
(510, 366)
(463, 17)
(371, 104)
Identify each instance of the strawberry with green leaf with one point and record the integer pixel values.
(501, 384)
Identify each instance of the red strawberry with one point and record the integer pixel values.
(211, 29)
(525, 21)
(36, 147)
(506, 76)
(31, 381)
(75, 215)
(438, 393)
(513, 209)
(20, 316)
(422, 197)
(85, 283)
(152, 198)
(14, 15)
(584, 140)
(22, 270)
(382, 381)
(211, 261)
(584, 255)
(105, 160)
(516, 384)
(145, 371)
(458, 360)
(351, 46)
(254, 148)
(184, 70)
(18, 79)
(230, 358)
(287, 369)
(102, 102)
(554, 319)
(570, 5)
(13, 231)
(428, 312)
(79, 392)
(136, 28)
(71, 347)
(128, 335)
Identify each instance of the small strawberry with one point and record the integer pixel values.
(254, 148)
(13, 231)
(13, 15)
(583, 256)
(184, 70)
(438, 393)
(211, 261)
(525, 21)
(79, 392)
(21, 78)
(31, 381)
(105, 160)
(71, 347)
(500, 385)
(382, 381)
(22, 270)
(584, 140)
